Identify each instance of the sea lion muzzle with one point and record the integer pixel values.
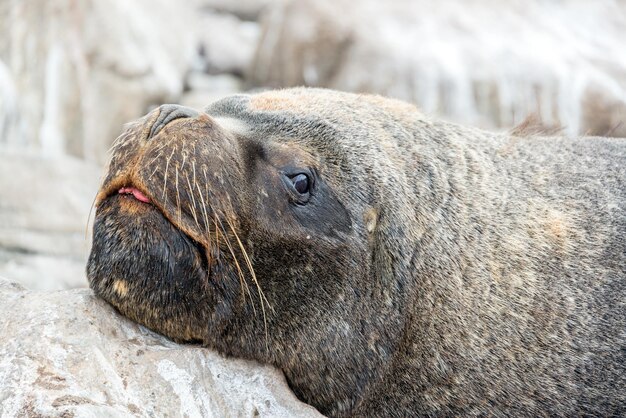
(158, 251)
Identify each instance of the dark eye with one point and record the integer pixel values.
(301, 183)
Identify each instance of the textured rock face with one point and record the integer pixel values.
(69, 354)
(71, 73)
(243, 9)
(44, 206)
(227, 43)
(477, 62)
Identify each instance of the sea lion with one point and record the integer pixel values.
(389, 264)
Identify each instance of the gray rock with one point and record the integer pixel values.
(72, 73)
(477, 62)
(227, 43)
(68, 353)
(205, 89)
(223, 83)
(44, 206)
(243, 9)
(43, 272)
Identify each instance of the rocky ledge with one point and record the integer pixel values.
(68, 353)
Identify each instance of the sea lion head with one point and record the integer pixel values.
(269, 227)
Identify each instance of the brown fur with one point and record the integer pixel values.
(435, 270)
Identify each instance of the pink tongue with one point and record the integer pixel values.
(138, 195)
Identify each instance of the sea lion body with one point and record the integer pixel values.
(428, 269)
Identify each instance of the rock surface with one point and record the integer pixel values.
(72, 73)
(44, 206)
(227, 43)
(68, 353)
(477, 62)
(206, 89)
(242, 9)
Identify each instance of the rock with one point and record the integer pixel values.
(68, 353)
(223, 83)
(205, 89)
(44, 206)
(72, 73)
(304, 43)
(43, 272)
(243, 9)
(479, 62)
(226, 43)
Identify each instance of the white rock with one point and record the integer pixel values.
(205, 89)
(44, 272)
(227, 43)
(222, 83)
(243, 9)
(68, 353)
(478, 62)
(72, 73)
(44, 208)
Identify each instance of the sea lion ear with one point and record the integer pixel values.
(390, 245)
(370, 217)
(379, 244)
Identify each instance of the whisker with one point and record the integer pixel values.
(117, 142)
(167, 165)
(178, 197)
(158, 155)
(217, 236)
(248, 262)
(162, 146)
(177, 190)
(206, 192)
(93, 205)
(184, 154)
(158, 152)
(204, 208)
(153, 171)
(206, 225)
(242, 279)
(193, 202)
(254, 279)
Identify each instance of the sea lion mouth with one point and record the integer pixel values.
(135, 193)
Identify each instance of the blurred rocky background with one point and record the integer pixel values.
(73, 72)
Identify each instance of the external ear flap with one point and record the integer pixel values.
(391, 248)
(371, 219)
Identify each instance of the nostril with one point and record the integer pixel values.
(168, 113)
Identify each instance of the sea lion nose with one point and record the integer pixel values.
(168, 113)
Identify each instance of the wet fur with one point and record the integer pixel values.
(444, 271)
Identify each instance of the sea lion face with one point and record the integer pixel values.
(252, 227)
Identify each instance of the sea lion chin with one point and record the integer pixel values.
(387, 263)
(168, 269)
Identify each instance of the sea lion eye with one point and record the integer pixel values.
(301, 183)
